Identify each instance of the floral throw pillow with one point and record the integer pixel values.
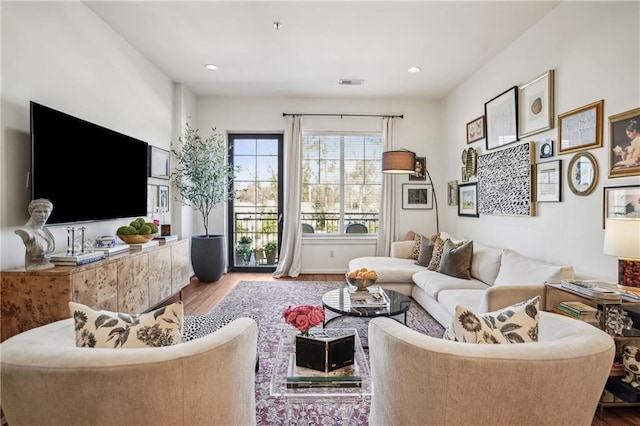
(514, 324)
(96, 328)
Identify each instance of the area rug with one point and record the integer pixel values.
(266, 300)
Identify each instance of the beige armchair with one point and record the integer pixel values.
(47, 380)
(422, 380)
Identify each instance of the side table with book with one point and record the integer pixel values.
(617, 316)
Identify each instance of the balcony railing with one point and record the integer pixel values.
(262, 228)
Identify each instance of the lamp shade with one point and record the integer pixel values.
(401, 161)
(622, 238)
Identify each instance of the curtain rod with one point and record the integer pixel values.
(284, 114)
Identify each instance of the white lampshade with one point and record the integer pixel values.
(622, 238)
(401, 161)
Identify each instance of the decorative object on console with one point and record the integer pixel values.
(631, 362)
(38, 240)
(138, 231)
(203, 179)
(501, 115)
(96, 328)
(621, 240)
(514, 324)
(582, 173)
(505, 181)
(625, 144)
(581, 128)
(536, 105)
(105, 241)
(403, 162)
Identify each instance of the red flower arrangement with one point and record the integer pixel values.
(304, 317)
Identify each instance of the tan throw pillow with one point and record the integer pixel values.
(96, 328)
(456, 261)
(514, 324)
(415, 252)
(426, 250)
(438, 248)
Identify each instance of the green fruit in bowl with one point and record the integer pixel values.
(126, 230)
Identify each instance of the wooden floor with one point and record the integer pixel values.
(199, 298)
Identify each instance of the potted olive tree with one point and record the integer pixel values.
(203, 178)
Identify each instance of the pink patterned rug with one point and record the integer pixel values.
(266, 300)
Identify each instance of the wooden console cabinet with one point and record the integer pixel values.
(131, 282)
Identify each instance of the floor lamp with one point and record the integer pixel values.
(404, 162)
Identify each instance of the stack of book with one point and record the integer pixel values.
(302, 377)
(140, 246)
(373, 297)
(64, 259)
(163, 239)
(111, 251)
(577, 310)
(592, 289)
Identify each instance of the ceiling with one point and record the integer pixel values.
(320, 43)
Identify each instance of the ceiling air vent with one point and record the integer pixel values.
(350, 81)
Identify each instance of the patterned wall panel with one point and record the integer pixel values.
(505, 181)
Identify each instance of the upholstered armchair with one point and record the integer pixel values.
(47, 380)
(422, 380)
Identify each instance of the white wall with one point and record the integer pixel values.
(61, 55)
(418, 131)
(594, 48)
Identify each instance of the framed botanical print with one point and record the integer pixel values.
(475, 129)
(417, 197)
(501, 114)
(468, 200)
(624, 156)
(535, 109)
(581, 128)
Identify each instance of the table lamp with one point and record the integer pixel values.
(622, 239)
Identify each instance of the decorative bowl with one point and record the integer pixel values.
(136, 238)
(361, 283)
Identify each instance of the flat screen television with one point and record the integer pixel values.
(87, 171)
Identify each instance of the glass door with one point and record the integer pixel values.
(255, 214)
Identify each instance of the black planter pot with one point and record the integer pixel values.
(208, 257)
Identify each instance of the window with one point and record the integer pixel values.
(341, 182)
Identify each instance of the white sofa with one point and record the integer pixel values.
(499, 278)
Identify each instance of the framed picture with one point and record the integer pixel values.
(417, 197)
(464, 175)
(620, 202)
(419, 173)
(468, 200)
(501, 114)
(581, 128)
(545, 149)
(582, 173)
(452, 193)
(163, 198)
(158, 163)
(624, 157)
(152, 192)
(549, 181)
(475, 129)
(536, 105)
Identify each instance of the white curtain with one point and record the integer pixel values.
(290, 262)
(388, 198)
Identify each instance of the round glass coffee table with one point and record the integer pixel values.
(339, 301)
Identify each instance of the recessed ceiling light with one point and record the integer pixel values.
(414, 69)
(277, 25)
(211, 67)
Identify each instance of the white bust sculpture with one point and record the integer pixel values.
(37, 239)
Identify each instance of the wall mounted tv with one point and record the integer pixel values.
(87, 171)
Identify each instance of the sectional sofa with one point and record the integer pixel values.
(499, 277)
